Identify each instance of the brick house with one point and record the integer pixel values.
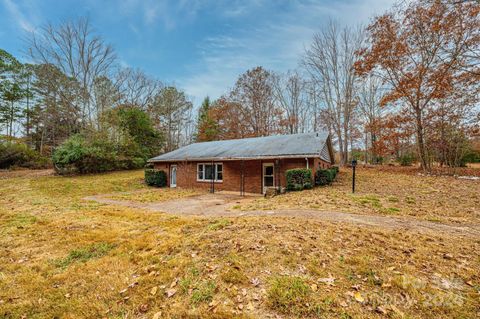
(249, 165)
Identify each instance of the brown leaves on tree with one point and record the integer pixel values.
(427, 53)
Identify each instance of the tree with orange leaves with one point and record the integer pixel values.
(425, 53)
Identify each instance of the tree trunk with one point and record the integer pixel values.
(343, 160)
(420, 140)
(366, 147)
(11, 120)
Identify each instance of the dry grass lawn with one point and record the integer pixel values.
(441, 199)
(63, 257)
(154, 195)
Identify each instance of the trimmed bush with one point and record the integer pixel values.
(298, 179)
(331, 175)
(155, 177)
(321, 177)
(325, 176)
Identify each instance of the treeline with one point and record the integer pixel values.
(76, 94)
(405, 88)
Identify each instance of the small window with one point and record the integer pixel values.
(219, 176)
(200, 172)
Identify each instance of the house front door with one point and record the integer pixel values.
(173, 176)
(268, 176)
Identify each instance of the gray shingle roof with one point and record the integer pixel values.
(295, 145)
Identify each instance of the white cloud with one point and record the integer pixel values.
(17, 16)
(169, 13)
(276, 44)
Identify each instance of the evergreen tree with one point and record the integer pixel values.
(207, 126)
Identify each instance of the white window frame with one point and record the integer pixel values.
(215, 173)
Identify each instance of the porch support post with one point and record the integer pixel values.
(242, 178)
(212, 189)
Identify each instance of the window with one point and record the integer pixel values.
(208, 172)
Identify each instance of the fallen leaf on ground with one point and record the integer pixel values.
(448, 256)
(255, 281)
(174, 283)
(328, 281)
(396, 310)
(171, 292)
(143, 308)
(358, 297)
(153, 291)
(381, 310)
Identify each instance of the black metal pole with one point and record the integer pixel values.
(354, 164)
(353, 180)
(213, 178)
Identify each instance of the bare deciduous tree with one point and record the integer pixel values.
(78, 53)
(370, 95)
(136, 87)
(329, 61)
(290, 94)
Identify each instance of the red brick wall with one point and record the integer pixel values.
(187, 173)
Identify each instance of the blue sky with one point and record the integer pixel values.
(200, 45)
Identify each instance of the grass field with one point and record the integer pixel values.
(433, 198)
(61, 256)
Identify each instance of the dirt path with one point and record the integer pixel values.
(222, 205)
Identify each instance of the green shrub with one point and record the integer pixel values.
(155, 177)
(325, 176)
(472, 156)
(19, 154)
(406, 159)
(331, 175)
(321, 177)
(297, 178)
(97, 154)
